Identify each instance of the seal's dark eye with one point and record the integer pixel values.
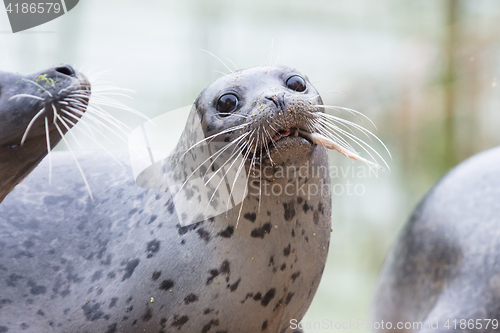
(296, 83)
(227, 103)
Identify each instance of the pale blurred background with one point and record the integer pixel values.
(426, 72)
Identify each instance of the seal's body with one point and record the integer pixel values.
(123, 263)
(30, 107)
(444, 270)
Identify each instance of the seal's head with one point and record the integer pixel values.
(35, 111)
(268, 110)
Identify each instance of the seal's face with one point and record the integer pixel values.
(26, 100)
(35, 112)
(266, 109)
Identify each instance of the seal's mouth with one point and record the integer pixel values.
(287, 137)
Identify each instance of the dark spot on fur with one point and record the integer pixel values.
(286, 250)
(305, 207)
(283, 267)
(4, 301)
(295, 275)
(112, 328)
(289, 210)
(227, 233)
(93, 312)
(178, 322)
(316, 217)
(205, 235)
(166, 284)
(36, 289)
(234, 286)
(183, 242)
(13, 279)
(24, 326)
(250, 216)
(113, 302)
(257, 297)
(224, 267)
(147, 315)
(40, 313)
(321, 208)
(184, 230)
(293, 232)
(262, 231)
(156, 275)
(96, 276)
(246, 297)
(289, 298)
(278, 304)
(152, 219)
(208, 326)
(268, 297)
(190, 298)
(207, 311)
(152, 248)
(3, 329)
(271, 261)
(299, 200)
(129, 269)
(264, 325)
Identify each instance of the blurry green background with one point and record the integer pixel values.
(426, 72)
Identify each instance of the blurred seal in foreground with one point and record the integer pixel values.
(444, 270)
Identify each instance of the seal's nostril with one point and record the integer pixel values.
(278, 100)
(66, 70)
(273, 100)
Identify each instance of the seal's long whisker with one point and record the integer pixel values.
(39, 86)
(25, 135)
(55, 112)
(336, 123)
(199, 167)
(26, 95)
(216, 57)
(236, 141)
(239, 169)
(76, 161)
(63, 122)
(360, 128)
(245, 189)
(354, 112)
(362, 145)
(94, 140)
(86, 123)
(83, 122)
(225, 174)
(231, 129)
(90, 116)
(232, 62)
(49, 155)
(337, 120)
(267, 146)
(327, 130)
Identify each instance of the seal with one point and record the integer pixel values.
(443, 274)
(31, 123)
(126, 261)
